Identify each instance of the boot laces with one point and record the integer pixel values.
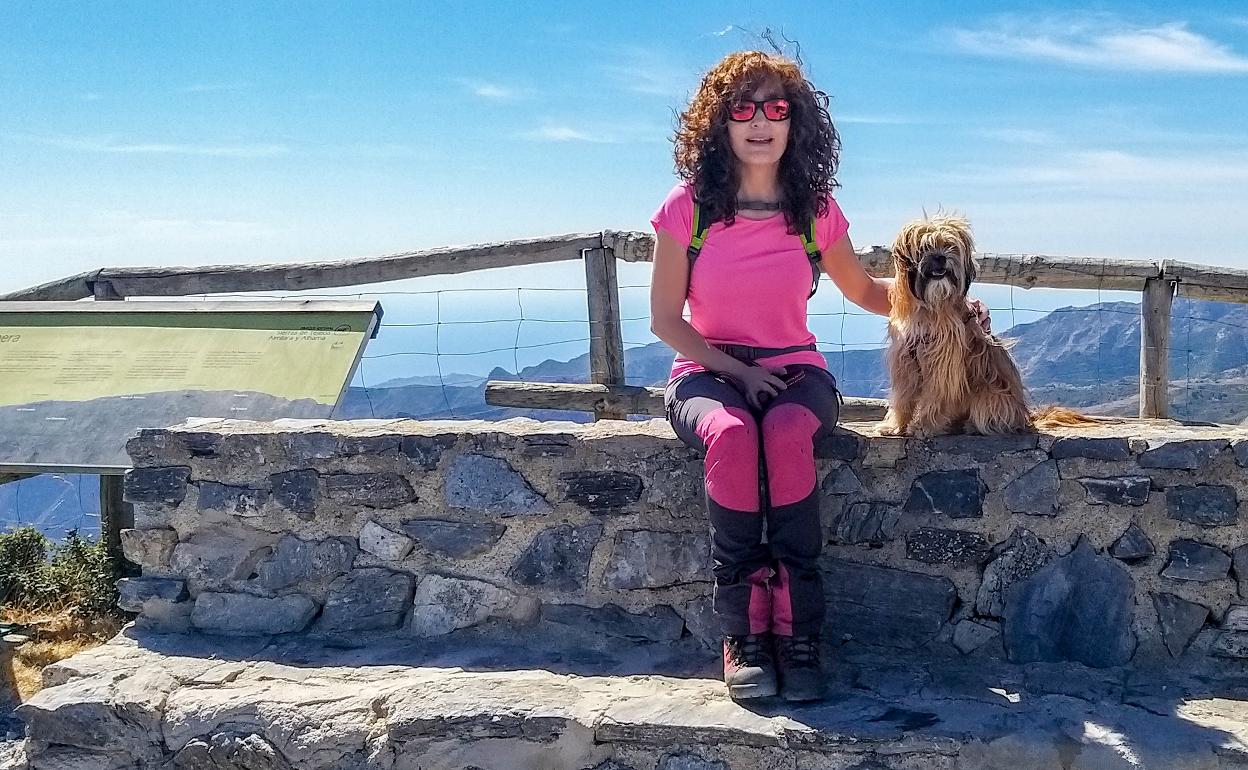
(800, 650)
(747, 651)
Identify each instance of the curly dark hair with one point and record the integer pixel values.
(705, 158)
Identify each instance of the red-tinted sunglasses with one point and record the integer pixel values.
(773, 109)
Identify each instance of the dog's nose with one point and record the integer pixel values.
(938, 260)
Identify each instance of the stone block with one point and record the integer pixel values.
(1240, 448)
(689, 762)
(352, 446)
(700, 619)
(372, 490)
(295, 561)
(297, 491)
(883, 606)
(306, 447)
(1190, 454)
(646, 559)
(602, 491)
(1231, 644)
(443, 604)
(958, 494)
(1117, 490)
(244, 501)
(1091, 448)
(1236, 618)
(366, 599)
(946, 546)
(558, 558)
(456, 539)
(425, 451)
(384, 543)
(1020, 556)
(838, 445)
(213, 558)
(1200, 562)
(1240, 564)
(149, 548)
(842, 481)
(1034, 492)
(1179, 620)
(657, 624)
(982, 448)
(865, 523)
(237, 614)
(1210, 505)
(969, 636)
(489, 484)
(1053, 616)
(1132, 545)
(230, 751)
(156, 485)
(133, 593)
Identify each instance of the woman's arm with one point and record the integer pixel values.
(668, 285)
(842, 266)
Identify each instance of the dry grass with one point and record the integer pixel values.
(55, 637)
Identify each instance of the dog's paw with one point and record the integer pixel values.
(891, 429)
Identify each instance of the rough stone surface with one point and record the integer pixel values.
(374, 490)
(443, 604)
(457, 539)
(688, 762)
(384, 543)
(244, 501)
(297, 491)
(369, 598)
(645, 559)
(1195, 561)
(1051, 616)
(865, 523)
(946, 546)
(243, 614)
(489, 484)
(558, 558)
(838, 445)
(133, 593)
(1240, 564)
(213, 557)
(700, 619)
(1180, 621)
(982, 448)
(1231, 644)
(1210, 505)
(230, 751)
(885, 606)
(425, 451)
(1020, 556)
(1240, 448)
(1035, 491)
(149, 548)
(1186, 454)
(1091, 448)
(656, 624)
(969, 636)
(842, 481)
(294, 561)
(156, 485)
(1117, 490)
(602, 491)
(1132, 545)
(958, 494)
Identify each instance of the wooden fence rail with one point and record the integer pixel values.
(1158, 281)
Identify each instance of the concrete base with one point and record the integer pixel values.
(466, 701)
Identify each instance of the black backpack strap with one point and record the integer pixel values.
(815, 255)
(697, 235)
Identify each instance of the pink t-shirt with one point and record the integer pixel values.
(750, 282)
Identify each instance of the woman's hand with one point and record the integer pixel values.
(761, 383)
(980, 311)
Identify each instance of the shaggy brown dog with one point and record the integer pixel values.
(948, 374)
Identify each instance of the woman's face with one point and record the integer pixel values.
(760, 141)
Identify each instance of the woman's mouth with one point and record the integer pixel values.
(759, 140)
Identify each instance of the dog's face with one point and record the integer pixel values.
(933, 258)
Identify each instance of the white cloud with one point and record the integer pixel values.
(113, 146)
(644, 71)
(494, 92)
(1102, 43)
(1105, 169)
(597, 133)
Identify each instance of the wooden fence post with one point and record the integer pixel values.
(606, 341)
(1155, 347)
(115, 515)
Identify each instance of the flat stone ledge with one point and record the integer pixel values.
(448, 708)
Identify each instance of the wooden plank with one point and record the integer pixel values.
(218, 279)
(310, 305)
(606, 341)
(6, 478)
(1023, 270)
(1155, 347)
(1221, 284)
(630, 399)
(65, 289)
(115, 515)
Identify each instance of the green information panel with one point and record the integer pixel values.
(77, 379)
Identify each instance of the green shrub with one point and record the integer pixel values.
(75, 574)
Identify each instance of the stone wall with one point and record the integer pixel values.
(1117, 544)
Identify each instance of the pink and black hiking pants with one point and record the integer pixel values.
(760, 586)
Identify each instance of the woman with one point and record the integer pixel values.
(758, 153)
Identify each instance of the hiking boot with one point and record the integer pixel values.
(749, 670)
(801, 675)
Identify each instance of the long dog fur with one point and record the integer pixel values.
(948, 374)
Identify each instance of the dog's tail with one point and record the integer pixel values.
(1062, 417)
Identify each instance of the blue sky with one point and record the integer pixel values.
(190, 133)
